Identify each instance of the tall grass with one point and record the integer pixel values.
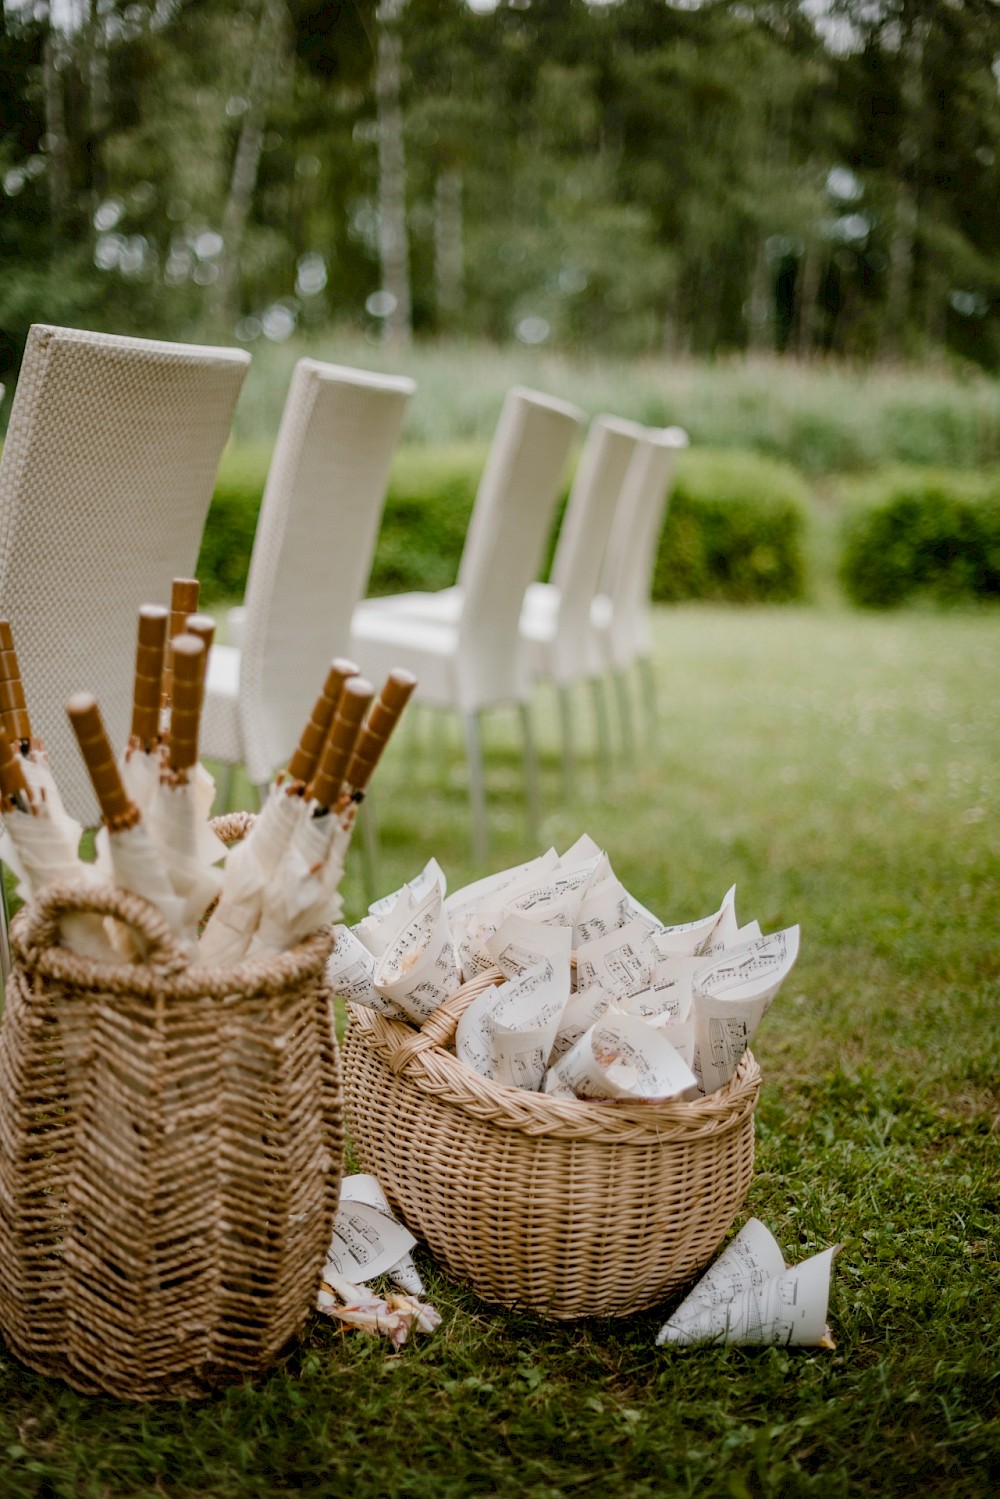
(822, 418)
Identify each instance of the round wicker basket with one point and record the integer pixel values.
(171, 1144)
(565, 1207)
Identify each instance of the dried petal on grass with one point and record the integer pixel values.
(395, 1315)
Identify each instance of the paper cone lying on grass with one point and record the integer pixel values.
(750, 1296)
(368, 1241)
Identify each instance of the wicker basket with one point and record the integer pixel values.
(564, 1207)
(171, 1147)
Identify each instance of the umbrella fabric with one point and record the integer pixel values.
(304, 894)
(249, 874)
(190, 851)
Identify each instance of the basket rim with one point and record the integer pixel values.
(441, 1074)
(174, 977)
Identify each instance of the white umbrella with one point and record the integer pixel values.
(252, 866)
(141, 762)
(40, 852)
(179, 812)
(125, 849)
(304, 893)
(383, 718)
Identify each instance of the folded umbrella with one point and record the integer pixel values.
(141, 762)
(179, 812)
(303, 896)
(252, 866)
(125, 851)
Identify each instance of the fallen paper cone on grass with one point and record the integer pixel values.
(368, 1241)
(395, 1315)
(749, 1296)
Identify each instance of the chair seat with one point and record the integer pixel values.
(444, 606)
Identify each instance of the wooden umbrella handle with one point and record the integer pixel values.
(186, 699)
(183, 602)
(150, 649)
(305, 760)
(355, 697)
(383, 718)
(13, 786)
(13, 709)
(95, 747)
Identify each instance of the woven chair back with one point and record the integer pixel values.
(105, 482)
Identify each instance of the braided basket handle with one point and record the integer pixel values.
(440, 1026)
(38, 925)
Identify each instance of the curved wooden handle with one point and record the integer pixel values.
(357, 693)
(382, 719)
(95, 747)
(13, 709)
(13, 786)
(186, 695)
(305, 761)
(150, 649)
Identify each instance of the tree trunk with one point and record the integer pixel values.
(246, 164)
(449, 269)
(393, 239)
(903, 239)
(55, 132)
(805, 299)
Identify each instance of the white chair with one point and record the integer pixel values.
(312, 554)
(463, 644)
(621, 611)
(556, 616)
(106, 478)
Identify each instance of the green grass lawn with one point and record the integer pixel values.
(841, 769)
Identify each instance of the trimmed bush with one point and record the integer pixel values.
(734, 530)
(921, 533)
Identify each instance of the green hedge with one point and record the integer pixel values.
(735, 530)
(920, 532)
(734, 527)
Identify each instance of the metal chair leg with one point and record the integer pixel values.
(530, 772)
(625, 714)
(601, 726)
(477, 793)
(369, 848)
(566, 728)
(647, 690)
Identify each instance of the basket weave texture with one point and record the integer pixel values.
(171, 1146)
(565, 1207)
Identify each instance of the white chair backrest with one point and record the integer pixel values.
(313, 546)
(583, 537)
(627, 575)
(106, 478)
(502, 553)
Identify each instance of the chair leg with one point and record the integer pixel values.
(647, 692)
(224, 788)
(477, 794)
(369, 849)
(5, 958)
(530, 772)
(566, 728)
(625, 714)
(601, 725)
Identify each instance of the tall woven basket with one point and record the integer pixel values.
(564, 1207)
(171, 1144)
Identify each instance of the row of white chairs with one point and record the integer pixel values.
(106, 477)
